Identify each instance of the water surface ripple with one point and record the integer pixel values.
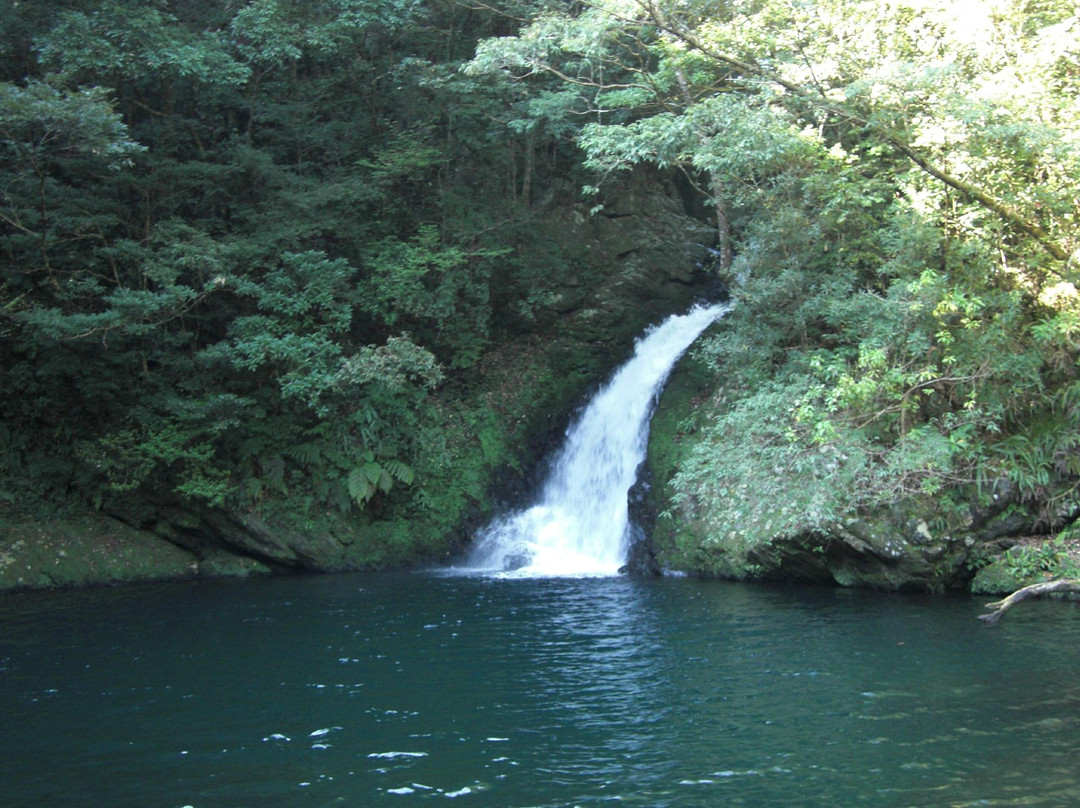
(365, 690)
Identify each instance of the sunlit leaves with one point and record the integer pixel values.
(394, 366)
(39, 120)
(427, 286)
(271, 33)
(120, 40)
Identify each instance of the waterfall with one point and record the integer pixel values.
(580, 524)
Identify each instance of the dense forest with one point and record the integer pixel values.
(272, 267)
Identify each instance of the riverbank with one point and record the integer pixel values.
(87, 550)
(962, 540)
(97, 550)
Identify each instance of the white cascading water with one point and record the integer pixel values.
(581, 523)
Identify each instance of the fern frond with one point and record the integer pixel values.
(400, 471)
(373, 471)
(340, 498)
(272, 466)
(320, 484)
(360, 486)
(385, 482)
(249, 447)
(308, 454)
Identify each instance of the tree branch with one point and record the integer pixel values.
(816, 99)
(1006, 212)
(1020, 595)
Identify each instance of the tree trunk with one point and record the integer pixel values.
(526, 180)
(1033, 591)
(723, 228)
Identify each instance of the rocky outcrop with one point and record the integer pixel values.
(910, 546)
(636, 256)
(83, 550)
(891, 549)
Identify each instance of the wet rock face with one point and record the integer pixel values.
(893, 549)
(641, 560)
(636, 258)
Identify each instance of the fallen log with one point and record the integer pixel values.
(1032, 591)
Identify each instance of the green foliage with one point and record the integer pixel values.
(441, 292)
(1040, 562)
(902, 207)
(39, 121)
(243, 245)
(240, 245)
(121, 40)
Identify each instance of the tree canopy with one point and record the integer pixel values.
(240, 245)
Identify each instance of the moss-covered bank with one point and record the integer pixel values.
(917, 544)
(82, 550)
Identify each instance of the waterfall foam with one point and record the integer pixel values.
(580, 524)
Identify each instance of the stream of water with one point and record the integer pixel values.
(361, 690)
(580, 523)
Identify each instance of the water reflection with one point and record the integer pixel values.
(587, 660)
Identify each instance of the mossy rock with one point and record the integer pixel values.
(999, 577)
(1030, 560)
(675, 538)
(919, 543)
(86, 550)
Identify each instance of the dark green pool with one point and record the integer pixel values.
(398, 689)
